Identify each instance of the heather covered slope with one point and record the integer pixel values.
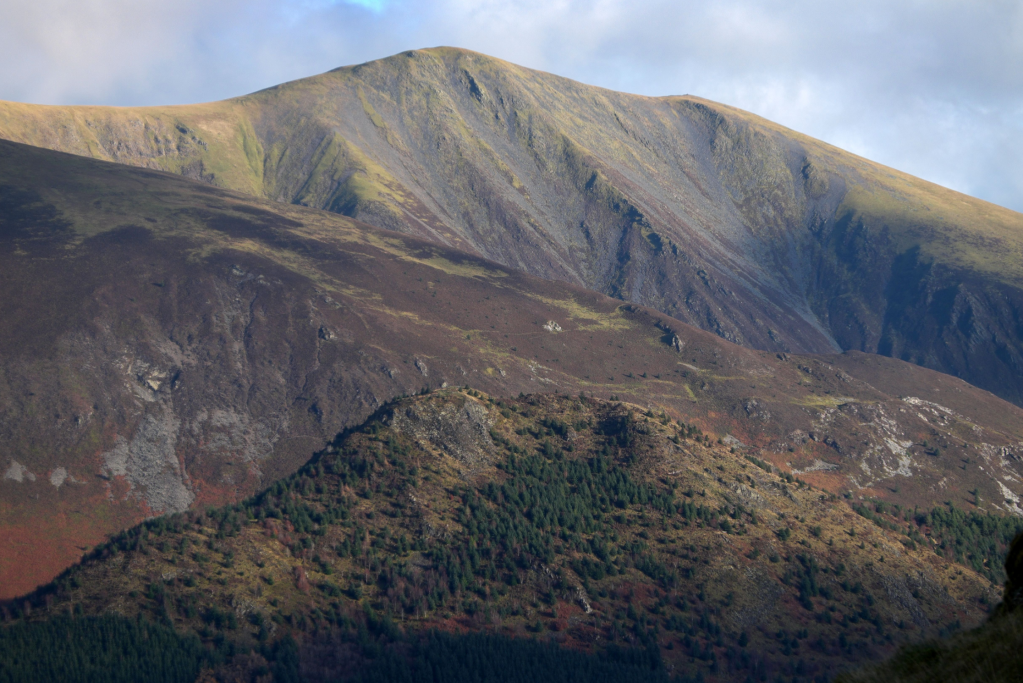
(718, 218)
(581, 522)
(168, 345)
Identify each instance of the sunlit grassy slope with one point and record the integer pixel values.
(714, 216)
(951, 228)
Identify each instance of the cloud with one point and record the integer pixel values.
(931, 87)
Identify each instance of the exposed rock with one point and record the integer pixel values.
(58, 477)
(552, 327)
(148, 377)
(462, 431)
(815, 180)
(755, 409)
(747, 496)
(817, 466)
(150, 464)
(18, 472)
(221, 431)
(584, 602)
(900, 593)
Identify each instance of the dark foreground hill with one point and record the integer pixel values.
(594, 526)
(718, 218)
(168, 346)
(987, 654)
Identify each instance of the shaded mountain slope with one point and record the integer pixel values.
(989, 653)
(765, 237)
(168, 345)
(582, 522)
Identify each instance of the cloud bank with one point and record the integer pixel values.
(931, 87)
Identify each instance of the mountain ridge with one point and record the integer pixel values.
(717, 217)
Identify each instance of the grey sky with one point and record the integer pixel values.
(932, 87)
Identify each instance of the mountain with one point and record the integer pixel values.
(718, 218)
(580, 522)
(168, 346)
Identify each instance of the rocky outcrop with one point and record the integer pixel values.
(149, 463)
(459, 429)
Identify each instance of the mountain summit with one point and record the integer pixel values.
(723, 220)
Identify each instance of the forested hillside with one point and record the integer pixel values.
(988, 654)
(587, 524)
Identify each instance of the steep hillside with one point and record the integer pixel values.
(167, 346)
(718, 218)
(987, 654)
(579, 521)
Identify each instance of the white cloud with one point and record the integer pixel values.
(928, 86)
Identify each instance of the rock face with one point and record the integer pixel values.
(149, 464)
(459, 429)
(766, 238)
